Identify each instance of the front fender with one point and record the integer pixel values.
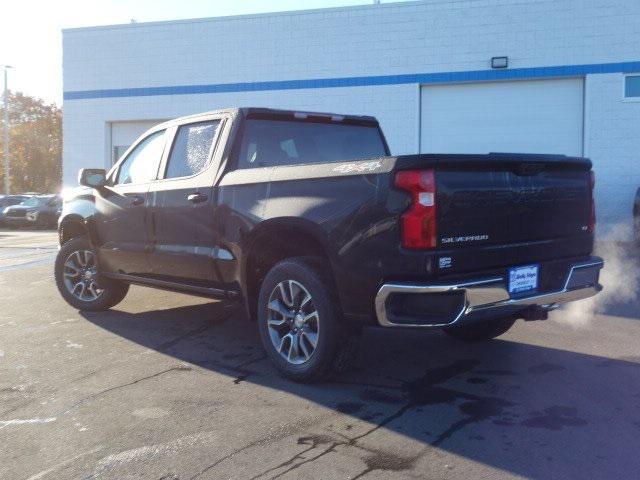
(78, 213)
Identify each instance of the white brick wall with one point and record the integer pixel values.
(612, 136)
(85, 120)
(413, 37)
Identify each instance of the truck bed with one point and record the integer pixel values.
(493, 211)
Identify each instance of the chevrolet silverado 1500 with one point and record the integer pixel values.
(307, 221)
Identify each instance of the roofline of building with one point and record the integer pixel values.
(284, 13)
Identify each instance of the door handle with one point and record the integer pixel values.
(197, 197)
(136, 200)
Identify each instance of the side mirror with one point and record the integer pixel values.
(92, 177)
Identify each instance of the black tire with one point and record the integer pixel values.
(481, 331)
(334, 341)
(112, 292)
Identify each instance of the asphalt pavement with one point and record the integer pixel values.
(168, 386)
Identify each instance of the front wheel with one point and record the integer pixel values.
(481, 331)
(299, 319)
(78, 280)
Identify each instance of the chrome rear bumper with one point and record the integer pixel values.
(490, 293)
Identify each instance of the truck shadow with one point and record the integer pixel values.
(532, 411)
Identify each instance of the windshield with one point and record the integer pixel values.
(31, 202)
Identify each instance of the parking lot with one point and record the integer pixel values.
(168, 386)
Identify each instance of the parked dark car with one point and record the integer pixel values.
(307, 220)
(36, 211)
(9, 200)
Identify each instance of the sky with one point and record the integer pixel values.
(31, 40)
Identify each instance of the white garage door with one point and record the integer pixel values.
(541, 116)
(123, 134)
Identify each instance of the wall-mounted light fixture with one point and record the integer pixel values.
(499, 62)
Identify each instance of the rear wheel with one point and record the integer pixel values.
(481, 331)
(300, 322)
(78, 279)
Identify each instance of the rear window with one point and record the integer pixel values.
(192, 149)
(268, 143)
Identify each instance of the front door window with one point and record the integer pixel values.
(142, 163)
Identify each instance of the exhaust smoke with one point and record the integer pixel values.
(620, 278)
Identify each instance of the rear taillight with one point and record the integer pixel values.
(592, 213)
(419, 221)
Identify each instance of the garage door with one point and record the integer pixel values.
(123, 134)
(541, 116)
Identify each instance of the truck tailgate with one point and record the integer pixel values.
(507, 199)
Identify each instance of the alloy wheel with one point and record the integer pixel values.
(81, 274)
(293, 322)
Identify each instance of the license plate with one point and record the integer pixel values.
(523, 279)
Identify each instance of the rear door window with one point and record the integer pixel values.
(192, 149)
(268, 143)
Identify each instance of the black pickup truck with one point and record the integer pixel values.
(307, 221)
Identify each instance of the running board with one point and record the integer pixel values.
(174, 286)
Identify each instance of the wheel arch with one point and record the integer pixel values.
(73, 226)
(273, 241)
